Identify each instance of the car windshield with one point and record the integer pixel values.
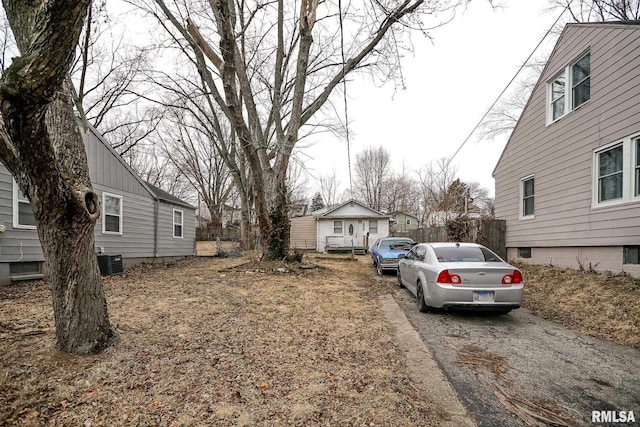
(465, 254)
(397, 244)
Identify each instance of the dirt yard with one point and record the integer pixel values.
(216, 342)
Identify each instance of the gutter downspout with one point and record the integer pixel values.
(156, 214)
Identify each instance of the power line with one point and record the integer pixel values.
(508, 84)
(344, 84)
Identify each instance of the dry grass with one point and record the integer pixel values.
(215, 248)
(215, 342)
(604, 306)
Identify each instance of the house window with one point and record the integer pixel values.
(581, 81)
(610, 174)
(527, 190)
(408, 221)
(177, 223)
(524, 252)
(23, 216)
(569, 89)
(631, 255)
(112, 222)
(373, 226)
(637, 168)
(337, 227)
(616, 172)
(557, 97)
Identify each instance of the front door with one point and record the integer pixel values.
(353, 233)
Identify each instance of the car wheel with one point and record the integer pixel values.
(400, 285)
(422, 306)
(379, 268)
(375, 264)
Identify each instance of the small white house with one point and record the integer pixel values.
(351, 224)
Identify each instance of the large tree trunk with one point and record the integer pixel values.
(66, 220)
(277, 243)
(41, 145)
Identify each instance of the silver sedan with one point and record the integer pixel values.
(460, 275)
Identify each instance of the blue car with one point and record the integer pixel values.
(385, 251)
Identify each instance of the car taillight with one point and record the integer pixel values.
(445, 277)
(512, 279)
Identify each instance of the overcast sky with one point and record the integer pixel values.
(450, 83)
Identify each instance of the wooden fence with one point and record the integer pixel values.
(488, 232)
(210, 233)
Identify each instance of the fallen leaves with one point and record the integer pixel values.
(204, 343)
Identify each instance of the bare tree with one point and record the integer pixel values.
(297, 182)
(599, 10)
(373, 170)
(110, 89)
(504, 116)
(479, 196)
(401, 194)
(42, 147)
(435, 178)
(7, 42)
(269, 75)
(195, 156)
(329, 185)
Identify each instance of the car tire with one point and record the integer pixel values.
(379, 269)
(422, 305)
(400, 285)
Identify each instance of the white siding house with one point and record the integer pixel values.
(568, 181)
(349, 225)
(138, 221)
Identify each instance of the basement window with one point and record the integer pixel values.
(524, 252)
(631, 255)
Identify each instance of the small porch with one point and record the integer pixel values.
(336, 245)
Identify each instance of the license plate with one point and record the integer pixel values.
(483, 296)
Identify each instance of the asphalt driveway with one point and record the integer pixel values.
(535, 367)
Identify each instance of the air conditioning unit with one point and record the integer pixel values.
(110, 264)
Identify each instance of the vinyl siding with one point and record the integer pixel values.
(137, 239)
(169, 245)
(108, 174)
(108, 171)
(15, 244)
(303, 233)
(560, 155)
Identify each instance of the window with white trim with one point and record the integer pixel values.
(112, 213)
(23, 216)
(610, 173)
(569, 89)
(408, 221)
(527, 196)
(177, 223)
(337, 227)
(616, 172)
(637, 168)
(373, 226)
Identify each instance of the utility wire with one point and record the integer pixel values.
(344, 84)
(508, 84)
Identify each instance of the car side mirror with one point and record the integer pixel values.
(401, 256)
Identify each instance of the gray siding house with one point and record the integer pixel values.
(138, 221)
(568, 181)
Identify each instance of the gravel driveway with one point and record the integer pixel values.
(536, 367)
